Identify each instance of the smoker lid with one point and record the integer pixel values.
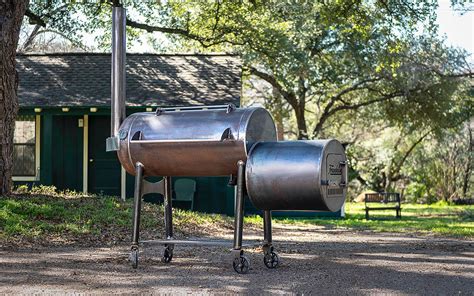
(244, 125)
(260, 127)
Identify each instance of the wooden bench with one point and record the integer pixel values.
(388, 200)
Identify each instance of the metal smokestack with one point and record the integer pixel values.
(118, 76)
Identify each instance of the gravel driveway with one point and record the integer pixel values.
(315, 260)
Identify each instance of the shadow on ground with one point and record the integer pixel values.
(314, 261)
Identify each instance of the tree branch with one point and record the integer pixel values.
(205, 42)
(355, 86)
(150, 28)
(74, 42)
(217, 17)
(289, 97)
(369, 102)
(35, 19)
(29, 40)
(328, 110)
(395, 173)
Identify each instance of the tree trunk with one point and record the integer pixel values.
(276, 108)
(11, 16)
(467, 170)
(300, 110)
(301, 122)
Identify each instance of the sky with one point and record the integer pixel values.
(459, 29)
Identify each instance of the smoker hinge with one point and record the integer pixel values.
(230, 107)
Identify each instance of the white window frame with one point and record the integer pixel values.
(36, 177)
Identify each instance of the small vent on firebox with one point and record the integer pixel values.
(335, 191)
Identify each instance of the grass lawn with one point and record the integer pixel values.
(98, 219)
(438, 219)
(92, 219)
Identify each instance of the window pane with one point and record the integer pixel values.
(24, 130)
(24, 163)
(24, 160)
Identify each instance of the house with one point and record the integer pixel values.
(64, 116)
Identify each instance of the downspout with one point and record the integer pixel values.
(118, 77)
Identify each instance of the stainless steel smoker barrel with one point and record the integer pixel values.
(204, 142)
(297, 175)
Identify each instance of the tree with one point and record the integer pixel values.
(11, 17)
(441, 168)
(323, 59)
(326, 58)
(466, 180)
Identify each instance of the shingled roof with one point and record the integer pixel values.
(83, 79)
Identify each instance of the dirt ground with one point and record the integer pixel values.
(315, 260)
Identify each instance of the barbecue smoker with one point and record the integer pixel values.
(220, 141)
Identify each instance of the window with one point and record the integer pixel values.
(25, 152)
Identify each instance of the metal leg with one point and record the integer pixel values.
(241, 263)
(168, 208)
(239, 207)
(143, 187)
(267, 228)
(137, 199)
(270, 258)
(168, 252)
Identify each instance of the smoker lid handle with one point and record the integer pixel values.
(228, 107)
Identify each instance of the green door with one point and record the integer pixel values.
(67, 148)
(104, 167)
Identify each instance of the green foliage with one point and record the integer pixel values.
(443, 167)
(324, 58)
(373, 74)
(438, 219)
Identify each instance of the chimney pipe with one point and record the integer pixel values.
(118, 77)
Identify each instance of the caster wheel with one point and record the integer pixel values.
(167, 256)
(271, 260)
(241, 264)
(133, 258)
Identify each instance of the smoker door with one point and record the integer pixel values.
(336, 175)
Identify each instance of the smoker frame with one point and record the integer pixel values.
(240, 263)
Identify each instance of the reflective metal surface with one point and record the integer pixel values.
(206, 142)
(118, 76)
(297, 175)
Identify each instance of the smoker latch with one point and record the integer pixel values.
(344, 174)
(330, 183)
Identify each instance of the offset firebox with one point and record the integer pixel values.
(220, 141)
